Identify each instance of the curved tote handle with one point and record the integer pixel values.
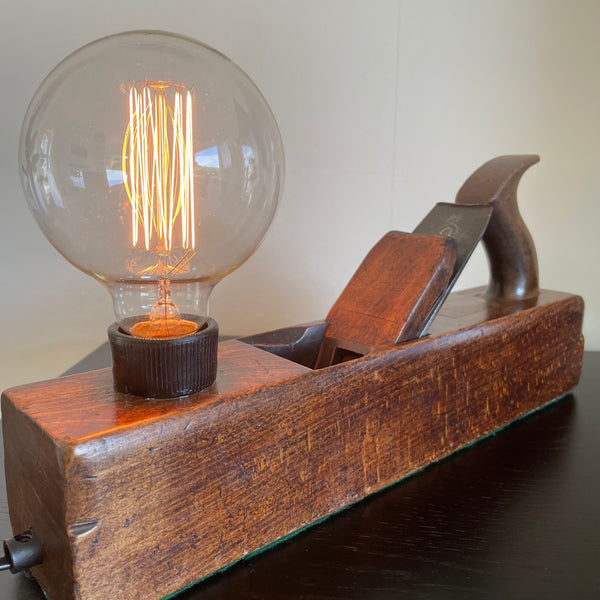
(508, 243)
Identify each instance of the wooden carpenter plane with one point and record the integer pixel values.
(137, 499)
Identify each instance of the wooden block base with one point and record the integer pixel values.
(136, 499)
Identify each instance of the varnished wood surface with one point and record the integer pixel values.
(106, 411)
(393, 289)
(515, 516)
(391, 294)
(99, 411)
(261, 469)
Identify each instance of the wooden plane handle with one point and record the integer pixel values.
(508, 243)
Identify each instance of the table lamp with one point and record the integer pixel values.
(153, 164)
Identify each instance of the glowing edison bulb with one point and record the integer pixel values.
(158, 159)
(153, 164)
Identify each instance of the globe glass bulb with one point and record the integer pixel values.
(153, 164)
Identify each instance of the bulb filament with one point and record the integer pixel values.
(158, 159)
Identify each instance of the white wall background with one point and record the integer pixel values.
(385, 107)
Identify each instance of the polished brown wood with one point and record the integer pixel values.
(510, 248)
(514, 516)
(137, 499)
(390, 296)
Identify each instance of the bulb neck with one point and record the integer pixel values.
(163, 303)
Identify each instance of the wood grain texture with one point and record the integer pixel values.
(391, 294)
(139, 499)
(514, 516)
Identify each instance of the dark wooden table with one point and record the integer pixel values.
(515, 516)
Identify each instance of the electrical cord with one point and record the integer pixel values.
(22, 551)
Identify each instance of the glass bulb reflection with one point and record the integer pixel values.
(154, 164)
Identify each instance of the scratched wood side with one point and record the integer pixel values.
(154, 504)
